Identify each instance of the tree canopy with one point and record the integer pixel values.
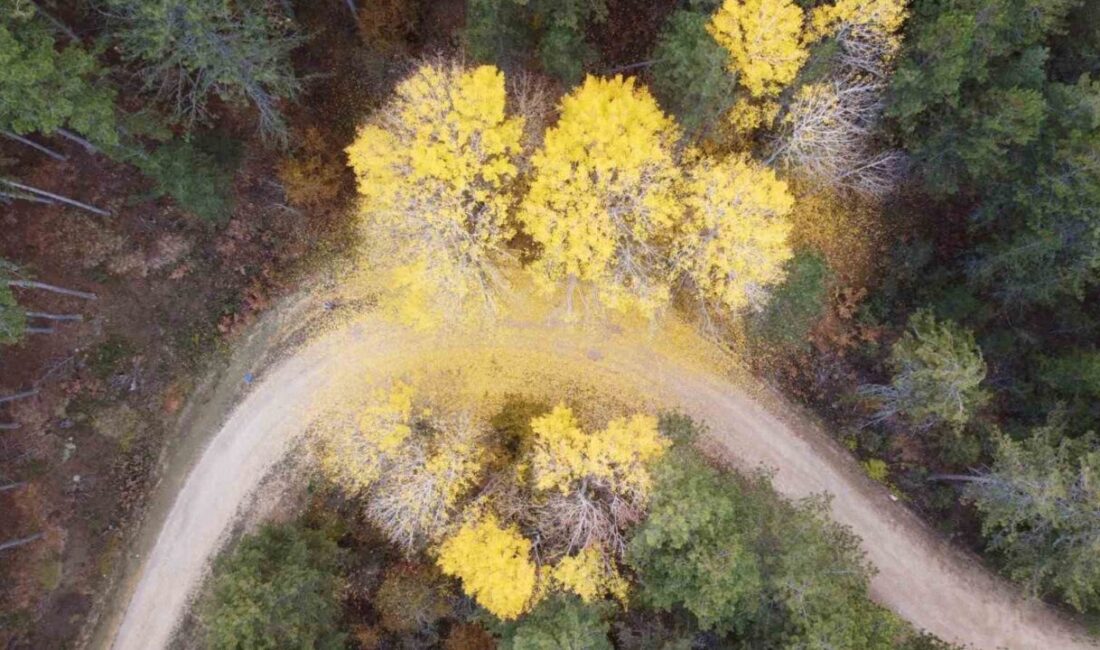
(602, 194)
(735, 244)
(46, 86)
(1039, 501)
(764, 40)
(494, 564)
(433, 168)
(693, 551)
(278, 588)
(937, 374)
(742, 560)
(690, 75)
(187, 51)
(558, 622)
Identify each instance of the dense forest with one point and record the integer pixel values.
(889, 210)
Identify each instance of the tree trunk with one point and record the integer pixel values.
(27, 197)
(33, 284)
(34, 145)
(9, 426)
(72, 137)
(38, 330)
(56, 197)
(12, 486)
(20, 542)
(39, 314)
(960, 478)
(632, 66)
(11, 398)
(353, 9)
(57, 23)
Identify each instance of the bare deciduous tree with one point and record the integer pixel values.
(829, 131)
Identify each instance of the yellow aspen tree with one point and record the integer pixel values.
(735, 243)
(602, 196)
(421, 491)
(413, 462)
(494, 564)
(433, 168)
(749, 114)
(594, 485)
(765, 42)
(564, 455)
(590, 575)
(354, 456)
(885, 16)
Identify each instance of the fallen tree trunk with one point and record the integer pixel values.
(34, 145)
(56, 197)
(16, 396)
(34, 284)
(15, 543)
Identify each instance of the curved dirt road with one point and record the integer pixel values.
(924, 579)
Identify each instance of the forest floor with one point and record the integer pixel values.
(928, 581)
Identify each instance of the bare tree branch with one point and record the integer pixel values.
(62, 27)
(58, 317)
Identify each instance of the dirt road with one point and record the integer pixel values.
(927, 581)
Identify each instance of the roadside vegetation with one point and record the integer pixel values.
(548, 540)
(890, 210)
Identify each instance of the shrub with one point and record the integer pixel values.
(197, 179)
(468, 636)
(412, 598)
(312, 176)
(796, 305)
(386, 24)
(13, 320)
